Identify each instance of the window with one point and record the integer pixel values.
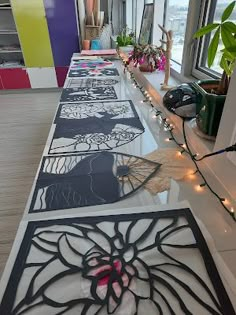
(176, 13)
(211, 13)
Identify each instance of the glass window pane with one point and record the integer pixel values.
(176, 20)
(220, 7)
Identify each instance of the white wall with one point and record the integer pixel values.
(221, 165)
(158, 19)
(116, 16)
(129, 13)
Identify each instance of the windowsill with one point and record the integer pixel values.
(151, 83)
(154, 81)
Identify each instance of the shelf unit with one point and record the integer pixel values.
(10, 49)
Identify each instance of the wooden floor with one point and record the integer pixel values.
(25, 120)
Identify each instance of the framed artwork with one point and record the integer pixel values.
(85, 94)
(94, 126)
(145, 36)
(143, 263)
(91, 82)
(96, 72)
(73, 181)
(92, 64)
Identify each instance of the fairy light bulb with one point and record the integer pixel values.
(191, 174)
(179, 153)
(184, 146)
(232, 209)
(225, 201)
(198, 188)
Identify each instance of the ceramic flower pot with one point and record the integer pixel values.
(145, 67)
(86, 44)
(126, 49)
(209, 106)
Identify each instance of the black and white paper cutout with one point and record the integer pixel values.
(86, 180)
(88, 94)
(91, 82)
(103, 110)
(143, 263)
(101, 126)
(108, 72)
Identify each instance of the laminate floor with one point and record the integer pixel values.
(25, 120)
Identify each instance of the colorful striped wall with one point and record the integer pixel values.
(33, 32)
(49, 35)
(63, 30)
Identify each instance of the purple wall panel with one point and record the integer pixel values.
(63, 30)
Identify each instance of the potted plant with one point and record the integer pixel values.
(211, 94)
(148, 57)
(125, 39)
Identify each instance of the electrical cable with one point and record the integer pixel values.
(228, 149)
(170, 128)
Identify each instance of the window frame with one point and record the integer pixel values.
(206, 16)
(166, 3)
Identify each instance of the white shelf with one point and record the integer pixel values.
(8, 32)
(10, 51)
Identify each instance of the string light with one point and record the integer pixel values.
(185, 147)
(225, 201)
(191, 175)
(198, 188)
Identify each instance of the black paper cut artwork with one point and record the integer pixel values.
(90, 179)
(143, 263)
(88, 94)
(91, 82)
(111, 72)
(103, 110)
(101, 126)
(92, 64)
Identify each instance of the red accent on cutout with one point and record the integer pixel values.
(15, 78)
(105, 280)
(61, 75)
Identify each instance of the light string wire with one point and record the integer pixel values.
(185, 148)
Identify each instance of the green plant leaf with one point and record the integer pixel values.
(232, 49)
(205, 30)
(230, 56)
(230, 26)
(227, 12)
(225, 65)
(213, 48)
(227, 37)
(232, 67)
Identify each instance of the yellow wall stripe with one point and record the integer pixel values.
(31, 23)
